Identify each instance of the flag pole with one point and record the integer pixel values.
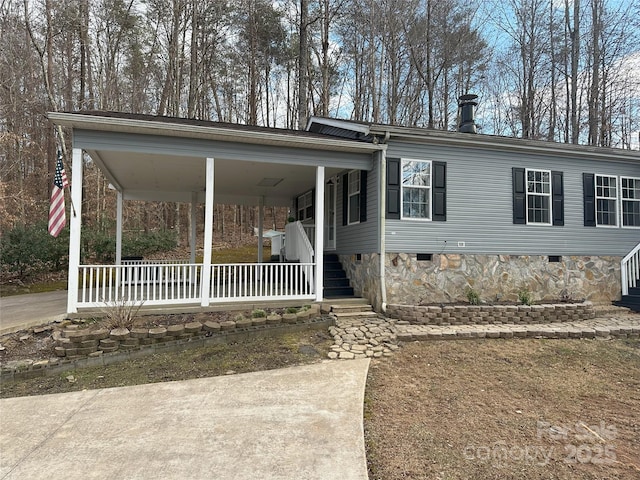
(62, 151)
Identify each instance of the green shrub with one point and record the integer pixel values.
(292, 310)
(472, 296)
(28, 250)
(258, 313)
(524, 297)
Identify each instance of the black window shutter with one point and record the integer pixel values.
(313, 203)
(589, 192)
(519, 197)
(296, 214)
(557, 195)
(439, 192)
(345, 199)
(363, 196)
(393, 188)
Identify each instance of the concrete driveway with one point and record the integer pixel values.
(294, 423)
(23, 311)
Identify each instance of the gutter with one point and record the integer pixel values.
(383, 220)
(492, 142)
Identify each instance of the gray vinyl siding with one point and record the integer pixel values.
(479, 207)
(362, 237)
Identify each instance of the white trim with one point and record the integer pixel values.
(208, 234)
(75, 227)
(260, 230)
(257, 135)
(319, 244)
(194, 226)
(617, 211)
(430, 188)
(332, 200)
(349, 195)
(622, 200)
(535, 194)
(119, 202)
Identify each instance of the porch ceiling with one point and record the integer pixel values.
(163, 159)
(144, 176)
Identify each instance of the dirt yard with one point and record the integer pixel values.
(505, 409)
(483, 409)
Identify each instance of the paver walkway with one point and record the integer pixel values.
(359, 337)
(620, 326)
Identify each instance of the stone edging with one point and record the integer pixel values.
(491, 314)
(128, 345)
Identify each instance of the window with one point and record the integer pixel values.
(539, 196)
(416, 189)
(630, 189)
(305, 206)
(354, 196)
(606, 200)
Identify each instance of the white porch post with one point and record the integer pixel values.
(119, 228)
(319, 250)
(208, 235)
(75, 226)
(260, 230)
(194, 225)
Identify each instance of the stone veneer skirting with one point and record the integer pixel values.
(496, 278)
(491, 314)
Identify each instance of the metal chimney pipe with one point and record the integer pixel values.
(467, 105)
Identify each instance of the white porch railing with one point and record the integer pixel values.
(167, 284)
(298, 247)
(262, 281)
(153, 284)
(630, 270)
(154, 262)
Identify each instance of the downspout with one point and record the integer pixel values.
(382, 207)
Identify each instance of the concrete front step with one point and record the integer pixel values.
(351, 308)
(610, 310)
(355, 314)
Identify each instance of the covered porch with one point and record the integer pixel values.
(196, 162)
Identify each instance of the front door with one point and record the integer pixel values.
(330, 215)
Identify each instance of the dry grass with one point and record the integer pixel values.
(485, 409)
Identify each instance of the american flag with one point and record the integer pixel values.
(57, 218)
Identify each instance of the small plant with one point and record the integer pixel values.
(121, 313)
(239, 317)
(258, 313)
(472, 296)
(292, 310)
(524, 297)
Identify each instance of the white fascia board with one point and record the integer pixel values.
(114, 124)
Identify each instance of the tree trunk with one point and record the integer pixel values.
(303, 69)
